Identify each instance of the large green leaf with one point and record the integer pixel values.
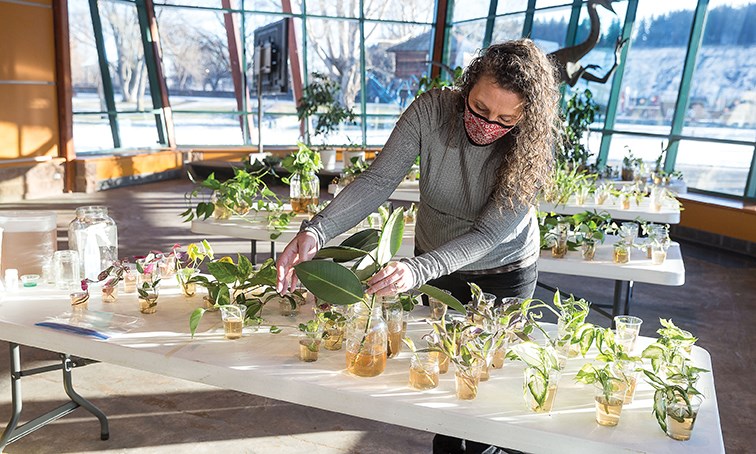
(223, 271)
(195, 319)
(442, 296)
(391, 238)
(340, 253)
(366, 240)
(330, 282)
(365, 268)
(245, 268)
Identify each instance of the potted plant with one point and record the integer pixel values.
(631, 166)
(580, 111)
(331, 280)
(320, 98)
(424, 370)
(623, 365)
(456, 341)
(188, 263)
(112, 275)
(148, 292)
(304, 184)
(335, 325)
(309, 345)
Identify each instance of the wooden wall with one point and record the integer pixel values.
(28, 100)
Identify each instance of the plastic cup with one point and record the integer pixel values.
(66, 270)
(628, 328)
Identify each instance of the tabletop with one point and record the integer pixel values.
(267, 365)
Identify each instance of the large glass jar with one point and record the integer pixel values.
(304, 192)
(94, 235)
(366, 340)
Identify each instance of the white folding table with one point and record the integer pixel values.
(267, 365)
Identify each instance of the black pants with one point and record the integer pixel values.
(519, 283)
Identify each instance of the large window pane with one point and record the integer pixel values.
(401, 10)
(207, 129)
(342, 8)
(469, 10)
(379, 129)
(646, 148)
(654, 65)
(723, 93)
(123, 44)
(511, 6)
(234, 4)
(272, 5)
(550, 28)
(397, 57)
(138, 130)
(196, 60)
(508, 27)
(466, 41)
(92, 133)
(278, 129)
(86, 79)
(727, 173)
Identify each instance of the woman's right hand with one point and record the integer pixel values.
(302, 248)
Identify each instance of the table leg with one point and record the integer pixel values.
(253, 251)
(273, 254)
(629, 297)
(12, 431)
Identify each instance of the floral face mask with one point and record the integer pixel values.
(480, 131)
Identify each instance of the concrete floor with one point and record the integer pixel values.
(154, 414)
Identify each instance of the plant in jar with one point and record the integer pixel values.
(332, 279)
(309, 345)
(610, 392)
(456, 339)
(148, 290)
(424, 370)
(590, 230)
(112, 275)
(304, 184)
(574, 335)
(541, 376)
(188, 263)
(623, 365)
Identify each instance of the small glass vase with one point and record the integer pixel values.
(545, 388)
(588, 251)
(79, 301)
(304, 192)
(609, 401)
(681, 417)
(148, 300)
(621, 253)
(466, 380)
(109, 293)
(309, 347)
(183, 276)
(394, 316)
(628, 370)
(581, 195)
(130, 281)
(233, 316)
(559, 248)
(443, 361)
(658, 253)
(333, 337)
(423, 373)
(366, 340)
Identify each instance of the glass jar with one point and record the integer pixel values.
(94, 235)
(393, 314)
(366, 340)
(304, 192)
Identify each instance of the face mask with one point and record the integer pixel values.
(480, 131)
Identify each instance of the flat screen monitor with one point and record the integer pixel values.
(272, 57)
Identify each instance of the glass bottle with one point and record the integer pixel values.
(95, 236)
(304, 192)
(366, 339)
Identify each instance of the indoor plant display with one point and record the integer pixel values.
(304, 184)
(236, 196)
(187, 264)
(336, 282)
(602, 193)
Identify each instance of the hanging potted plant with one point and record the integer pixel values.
(320, 99)
(304, 184)
(332, 280)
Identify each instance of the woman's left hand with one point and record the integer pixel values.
(395, 278)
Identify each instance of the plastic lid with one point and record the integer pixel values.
(11, 272)
(28, 221)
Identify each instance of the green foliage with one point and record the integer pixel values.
(303, 162)
(567, 181)
(543, 360)
(321, 98)
(589, 374)
(427, 83)
(580, 111)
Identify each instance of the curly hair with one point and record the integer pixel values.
(521, 67)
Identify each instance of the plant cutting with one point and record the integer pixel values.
(239, 283)
(309, 346)
(350, 172)
(566, 182)
(631, 166)
(590, 230)
(610, 392)
(574, 335)
(623, 365)
(304, 184)
(148, 290)
(112, 275)
(236, 196)
(424, 372)
(456, 340)
(331, 279)
(188, 263)
(335, 324)
(541, 375)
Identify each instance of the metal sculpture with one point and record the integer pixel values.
(568, 59)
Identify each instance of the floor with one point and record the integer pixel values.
(154, 414)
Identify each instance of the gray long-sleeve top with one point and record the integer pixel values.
(459, 226)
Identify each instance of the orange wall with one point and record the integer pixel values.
(734, 222)
(28, 100)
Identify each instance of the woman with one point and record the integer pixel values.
(485, 151)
